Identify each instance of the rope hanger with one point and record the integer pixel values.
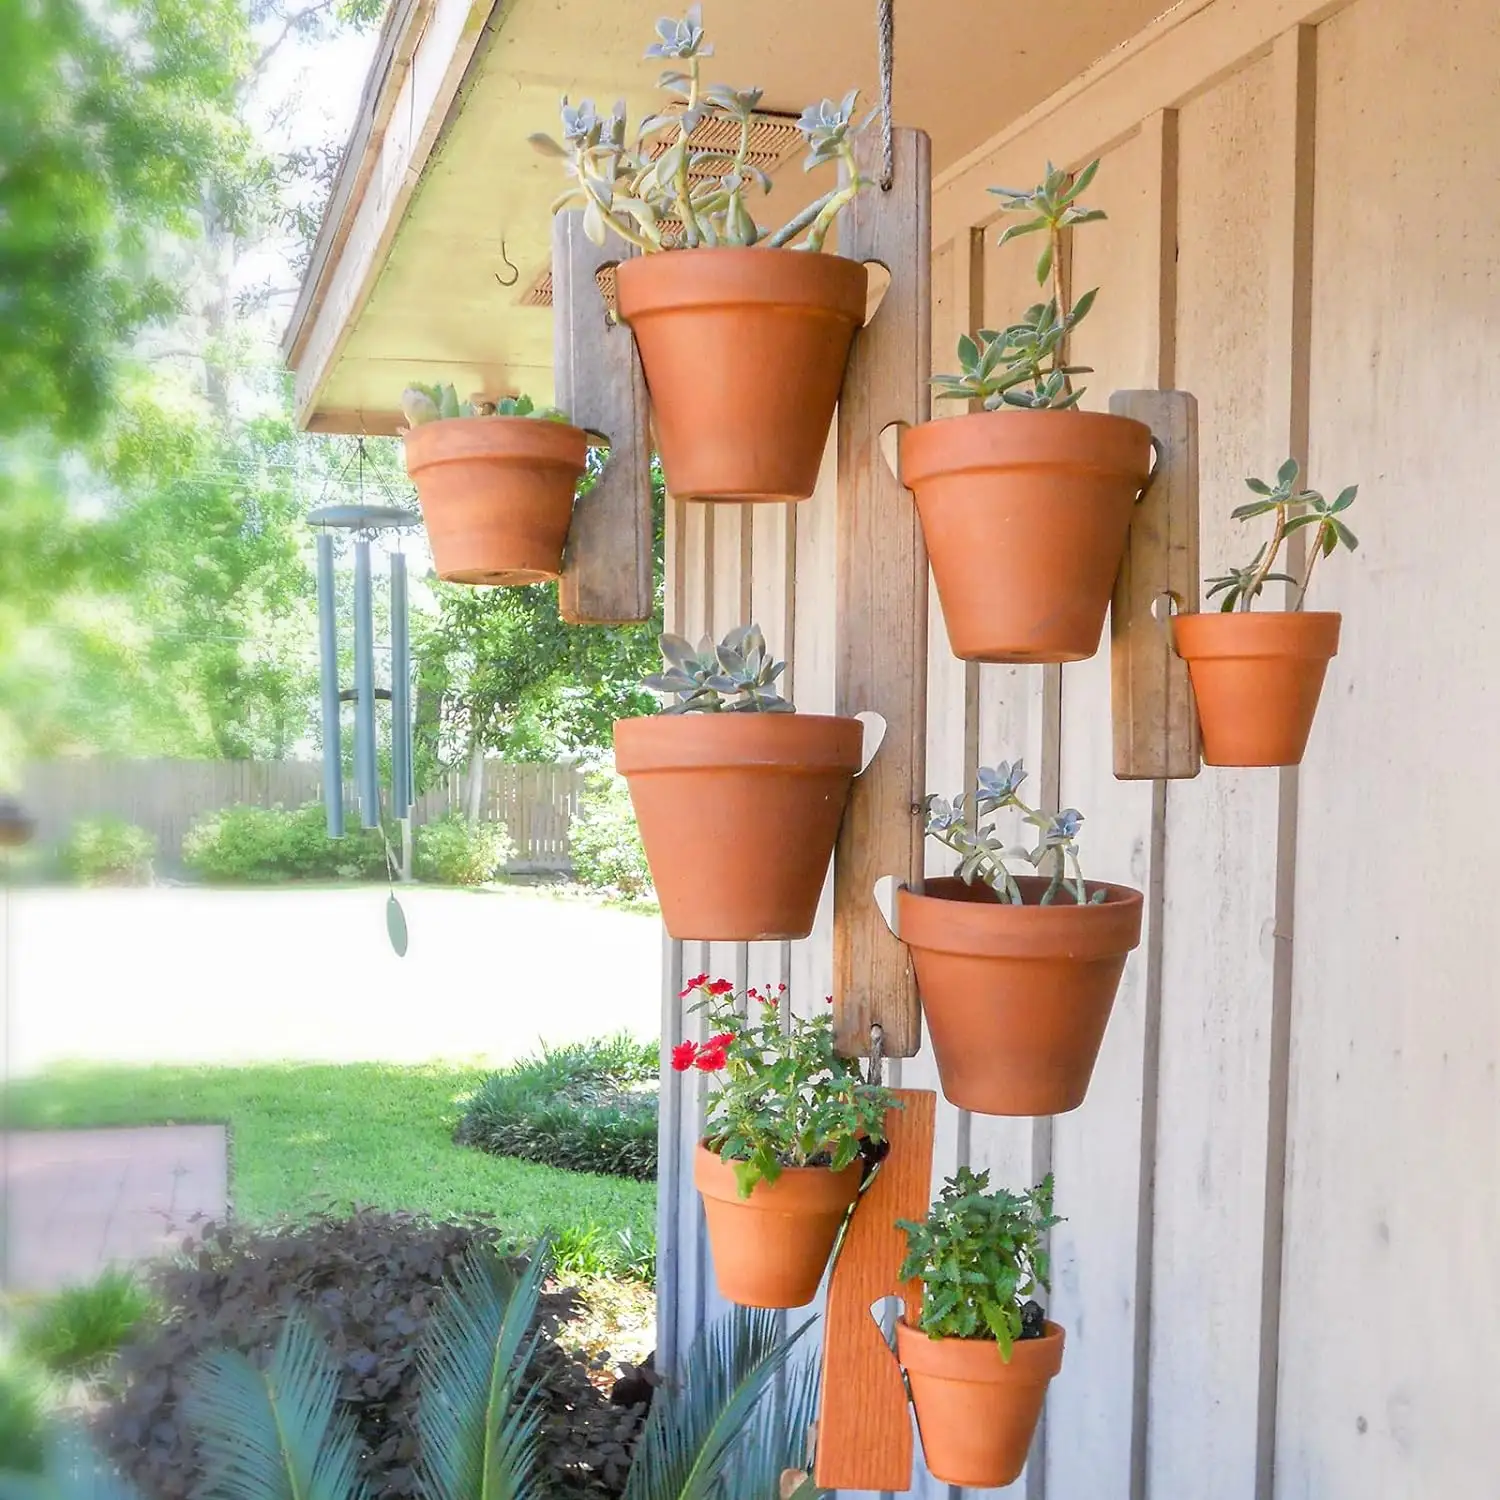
(885, 23)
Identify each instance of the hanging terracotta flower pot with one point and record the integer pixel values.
(738, 814)
(1257, 679)
(744, 353)
(1025, 515)
(1017, 996)
(496, 494)
(771, 1249)
(976, 1412)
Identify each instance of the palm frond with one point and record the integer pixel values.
(778, 1437)
(72, 1470)
(699, 1433)
(277, 1433)
(479, 1416)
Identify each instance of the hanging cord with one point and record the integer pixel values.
(886, 27)
(877, 1055)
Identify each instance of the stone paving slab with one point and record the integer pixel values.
(78, 1201)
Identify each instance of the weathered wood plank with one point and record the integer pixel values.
(607, 568)
(882, 605)
(864, 1436)
(1154, 714)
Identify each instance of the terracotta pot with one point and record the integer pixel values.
(738, 813)
(1257, 679)
(744, 354)
(1025, 515)
(976, 1413)
(771, 1249)
(1016, 997)
(496, 494)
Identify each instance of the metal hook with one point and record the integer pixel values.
(515, 270)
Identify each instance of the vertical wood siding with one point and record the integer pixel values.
(1283, 1191)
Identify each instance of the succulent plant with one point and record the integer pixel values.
(1294, 509)
(959, 825)
(433, 403)
(736, 676)
(1025, 364)
(661, 196)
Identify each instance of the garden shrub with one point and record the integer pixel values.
(453, 851)
(589, 1107)
(367, 1283)
(75, 1331)
(108, 851)
(24, 1413)
(604, 841)
(276, 843)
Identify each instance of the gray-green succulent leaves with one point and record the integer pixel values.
(1024, 364)
(660, 191)
(1293, 509)
(436, 403)
(960, 825)
(738, 675)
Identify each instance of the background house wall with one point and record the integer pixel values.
(1283, 1191)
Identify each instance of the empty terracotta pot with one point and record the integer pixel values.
(1025, 515)
(1017, 997)
(738, 814)
(744, 354)
(771, 1249)
(496, 494)
(976, 1413)
(1257, 679)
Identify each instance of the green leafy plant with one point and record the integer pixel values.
(75, 1331)
(959, 825)
(453, 851)
(979, 1256)
(244, 843)
(687, 178)
(604, 842)
(1293, 510)
(1025, 364)
(108, 851)
(736, 676)
(24, 1409)
(435, 403)
(783, 1096)
(587, 1107)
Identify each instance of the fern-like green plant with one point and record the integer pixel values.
(724, 1431)
(275, 1433)
(71, 1470)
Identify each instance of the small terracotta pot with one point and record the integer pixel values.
(738, 813)
(976, 1413)
(496, 494)
(1017, 997)
(771, 1249)
(1257, 679)
(1025, 515)
(744, 354)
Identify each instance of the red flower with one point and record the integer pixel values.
(721, 1042)
(721, 987)
(683, 1056)
(711, 1060)
(695, 983)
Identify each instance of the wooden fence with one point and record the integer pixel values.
(535, 802)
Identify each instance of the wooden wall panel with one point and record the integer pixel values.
(1218, 940)
(1391, 1313)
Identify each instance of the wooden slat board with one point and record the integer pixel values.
(607, 569)
(882, 604)
(1155, 716)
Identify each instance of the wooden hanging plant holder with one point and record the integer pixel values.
(743, 338)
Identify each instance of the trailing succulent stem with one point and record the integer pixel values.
(1292, 510)
(434, 403)
(660, 192)
(736, 676)
(959, 825)
(979, 1256)
(1025, 365)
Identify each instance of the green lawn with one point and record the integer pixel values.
(305, 1136)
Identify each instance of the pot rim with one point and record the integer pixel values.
(797, 1190)
(1313, 634)
(530, 440)
(1032, 1361)
(927, 449)
(812, 742)
(983, 928)
(722, 276)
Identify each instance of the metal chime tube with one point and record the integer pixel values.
(366, 766)
(401, 740)
(328, 670)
